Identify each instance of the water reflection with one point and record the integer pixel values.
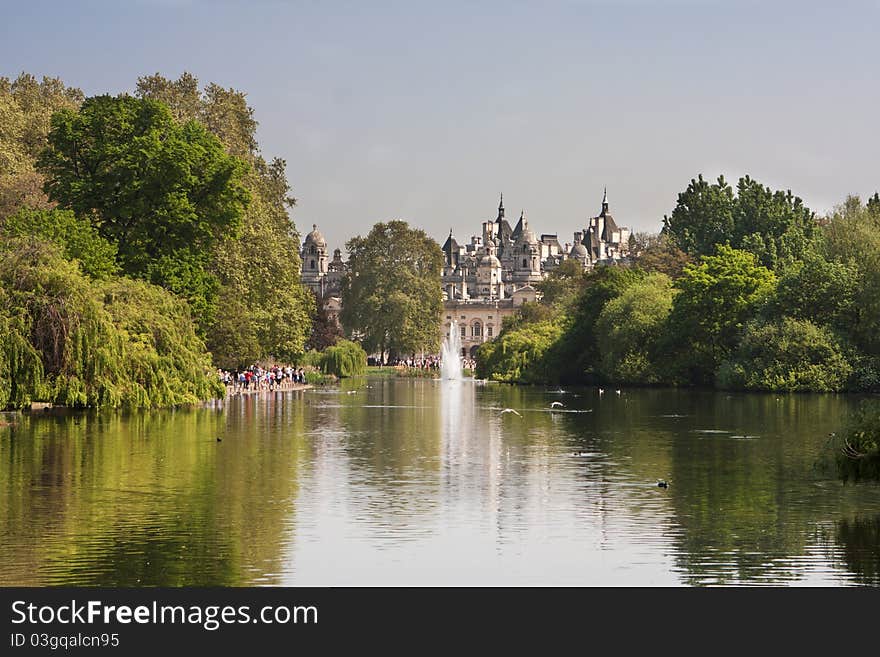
(388, 481)
(859, 539)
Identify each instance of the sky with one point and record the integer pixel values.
(427, 111)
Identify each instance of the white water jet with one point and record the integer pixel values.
(450, 355)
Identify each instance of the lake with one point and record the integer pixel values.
(421, 482)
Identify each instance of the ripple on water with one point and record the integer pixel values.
(407, 484)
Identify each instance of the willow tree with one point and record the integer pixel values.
(392, 296)
(73, 340)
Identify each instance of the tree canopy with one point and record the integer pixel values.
(775, 226)
(165, 193)
(717, 296)
(264, 310)
(392, 296)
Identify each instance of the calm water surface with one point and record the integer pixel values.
(423, 482)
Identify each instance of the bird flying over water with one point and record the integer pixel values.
(509, 410)
(557, 404)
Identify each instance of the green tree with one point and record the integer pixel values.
(852, 238)
(164, 193)
(773, 225)
(76, 341)
(391, 296)
(791, 355)
(874, 204)
(520, 355)
(819, 290)
(26, 108)
(264, 310)
(702, 217)
(562, 283)
(78, 238)
(628, 328)
(658, 253)
(717, 296)
(575, 356)
(344, 359)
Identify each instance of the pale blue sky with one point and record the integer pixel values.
(425, 111)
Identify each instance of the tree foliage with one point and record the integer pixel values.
(326, 331)
(562, 283)
(77, 238)
(819, 290)
(773, 225)
(858, 447)
(75, 341)
(26, 108)
(519, 355)
(628, 329)
(792, 355)
(717, 296)
(344, 359)
(391, 296)
(263, 310)
(659, 254)
(164, 193)
(576, 354)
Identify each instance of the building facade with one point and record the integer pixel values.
(489, 277)
(486, 279)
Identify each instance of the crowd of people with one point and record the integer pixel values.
(256, 378)
(432, 363)
(427, 363)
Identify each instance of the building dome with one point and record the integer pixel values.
(315, 237)
(578, 251)
(489, 261)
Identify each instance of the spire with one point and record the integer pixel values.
(501, 209)
(605, 202)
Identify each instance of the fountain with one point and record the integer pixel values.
(450, 355)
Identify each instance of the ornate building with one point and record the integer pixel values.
(323, 277)
(486, 279)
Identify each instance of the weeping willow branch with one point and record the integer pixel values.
(74, 341)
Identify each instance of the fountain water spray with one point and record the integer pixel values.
(450, 354)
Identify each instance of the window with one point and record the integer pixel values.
(313, 264)
(448, 316)
(464, 331)
(312, 250)
(488, 331)
(477, 330)
(525, 262)
(490, 316)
